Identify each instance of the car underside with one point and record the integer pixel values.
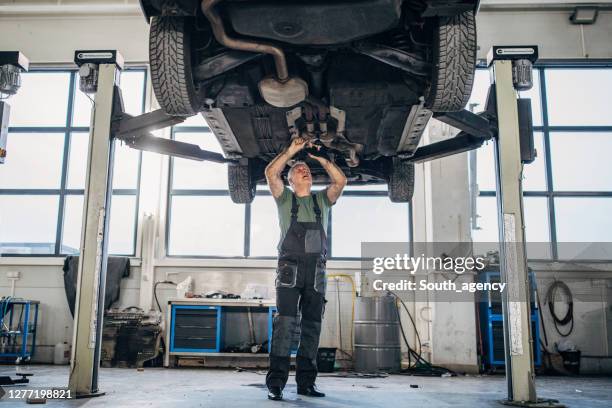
(359, 78)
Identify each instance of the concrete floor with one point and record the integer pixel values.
(158, 387)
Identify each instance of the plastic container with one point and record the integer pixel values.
(61, 354)
(326, 359)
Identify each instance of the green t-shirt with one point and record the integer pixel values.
(305, 210)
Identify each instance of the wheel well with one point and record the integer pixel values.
(152, 8)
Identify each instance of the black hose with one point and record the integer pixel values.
(416, 331)
(155, 291)
(163, 342)
(421, 367)
(542, 320)
(340, 322)
(569, 315)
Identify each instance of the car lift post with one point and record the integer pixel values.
(508, 167)
(511, 71)
(99, 73)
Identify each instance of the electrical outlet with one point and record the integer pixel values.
(13, 274)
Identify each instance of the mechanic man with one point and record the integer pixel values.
(301, 278)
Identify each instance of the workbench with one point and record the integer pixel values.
(205, 328)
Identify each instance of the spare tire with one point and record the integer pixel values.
(170, 60)
(454, 63)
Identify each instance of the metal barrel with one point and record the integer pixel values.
(377, 337)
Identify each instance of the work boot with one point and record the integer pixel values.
(275, 393)
(310, 391)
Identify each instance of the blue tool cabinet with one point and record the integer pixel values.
(195, 328)
(207, 327)
(491, 323)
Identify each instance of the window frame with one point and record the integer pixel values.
(62, 192)
(262, 191)
(546, 129)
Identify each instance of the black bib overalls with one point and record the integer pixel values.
(300, 298)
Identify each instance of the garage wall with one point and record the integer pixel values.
(549, 29)
(52, 38)
(440, 208)
(45, 282)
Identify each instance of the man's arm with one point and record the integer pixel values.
(338, 179)
(277, 165)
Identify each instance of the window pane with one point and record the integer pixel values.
(584, 220)
(206, 226)
(132, 91)
(191, 174)
(125, 173)
(536, 101)
(121, 232)
(581, 162)
(77, 160)
(486, 236)
(385, 222)
(195, 120)
(82, 104)
(579, 97)
(479, 91)
(122, 223)
(534, 174)
(265, 232)
(487, 220)
(42, 100)
(537, 230)
(125, 170)
(485, 167)
(34, 160)
(370, 187)
(28, 224)
(73, 220)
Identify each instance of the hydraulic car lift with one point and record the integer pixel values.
(506, 120)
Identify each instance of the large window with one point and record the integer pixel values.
(43, 179)
(568, 189)
(204, 222)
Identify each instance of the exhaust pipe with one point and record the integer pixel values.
(208, 8)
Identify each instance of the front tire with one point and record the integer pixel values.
(454, 63)
(170, 59)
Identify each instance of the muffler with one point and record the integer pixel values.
(281, 91)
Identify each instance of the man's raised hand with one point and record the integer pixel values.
(322, 160)
(297, 144)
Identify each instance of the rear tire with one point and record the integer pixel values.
(401, 181)
(242, 186)
(454, 63)
(170, 59)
